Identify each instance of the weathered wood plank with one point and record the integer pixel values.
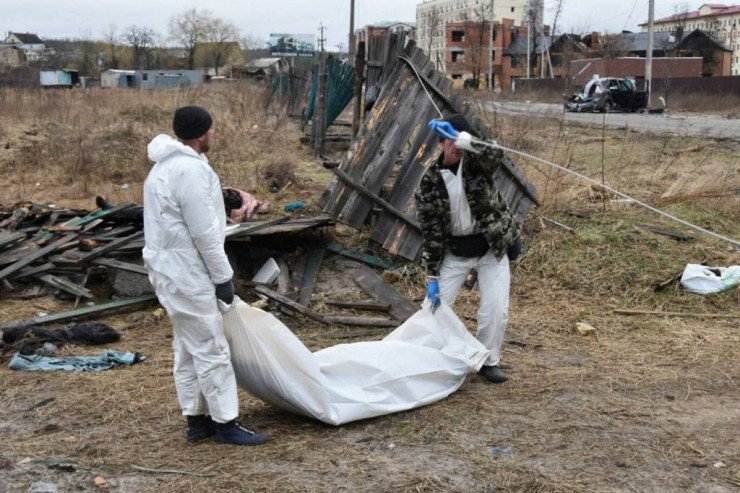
(359, 305)
(83, 313)
(375, 286)
(314, 258)
(41, 252)
(288, 303)
(362, 321)
(117, 264)
(365, 258)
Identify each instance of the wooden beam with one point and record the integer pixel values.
(676, 235)
(82, 313)
(362, 321)
(365, 258)
(371, 196)
(360, 305)
(678, 314)
(314, 258)
(288, 303)
(117, 264)
(32, 271)
(66, 285)
(51, 247)
(375, 286)
(246, 230)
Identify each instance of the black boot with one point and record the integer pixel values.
(235, 433)
(200, 428)
(493, 373)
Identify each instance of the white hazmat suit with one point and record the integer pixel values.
(184, 228)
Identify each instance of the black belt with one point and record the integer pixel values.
(469, 246)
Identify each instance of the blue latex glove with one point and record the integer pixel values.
(433, 293)
(444, 129)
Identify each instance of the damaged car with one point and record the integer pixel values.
(606, 94)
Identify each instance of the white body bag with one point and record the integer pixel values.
(422, 361)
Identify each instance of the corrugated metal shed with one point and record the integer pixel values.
(58, 78)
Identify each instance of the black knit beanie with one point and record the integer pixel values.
(459, 123)
(191, 122)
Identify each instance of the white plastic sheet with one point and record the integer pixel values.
(422, 361)
(700, 279)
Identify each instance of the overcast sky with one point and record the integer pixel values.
(90, 18)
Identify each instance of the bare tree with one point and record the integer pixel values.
(221, 37)
(141, 40)
(557, 10)
(112, 42)
(251, 46)
(535, 9)
(189, 29)
(681, 14)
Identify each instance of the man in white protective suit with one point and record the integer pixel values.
(466, 224)
(184, 228)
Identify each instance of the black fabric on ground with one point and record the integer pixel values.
(29, 338)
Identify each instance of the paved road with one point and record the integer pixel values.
(678, 123)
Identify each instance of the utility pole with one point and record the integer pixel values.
(529, 38)
(322, 39)
(351, 31)
(649, 55)
(490, 50)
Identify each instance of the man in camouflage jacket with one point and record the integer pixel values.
(461, 211)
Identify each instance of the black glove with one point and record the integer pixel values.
(225, 292)
(515, 249)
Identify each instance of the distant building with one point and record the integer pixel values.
(382, 29)
(259, 68)
(719, 21)
(21, 48)
(59, 78)
(151, 79)
(432, 17)
(717, 58)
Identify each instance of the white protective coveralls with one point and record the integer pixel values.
(494, 276)
(184, 228)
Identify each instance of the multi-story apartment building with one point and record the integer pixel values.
(720, 21)
(433, 15)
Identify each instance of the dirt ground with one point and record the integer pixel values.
(649, 403)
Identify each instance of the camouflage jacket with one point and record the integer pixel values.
(486, 204)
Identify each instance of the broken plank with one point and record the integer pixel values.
(360, 305)
(676, 235)
(33, 271)
(371, 196)
(242, 230)
(362, 321)
(113, 245)
(66, 285)
(365, 258)
(314, 258)
(678, 314)
(7, 237)
(375, 286)
(297, 273)
(117, 264)
(82, 313)
(37, 254)
(288, 303)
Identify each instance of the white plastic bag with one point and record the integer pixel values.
(700, 279)
(422, 361)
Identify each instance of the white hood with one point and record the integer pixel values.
(164, 145)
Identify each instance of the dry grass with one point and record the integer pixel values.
(649, 404)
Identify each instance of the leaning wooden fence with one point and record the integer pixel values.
(386, 161)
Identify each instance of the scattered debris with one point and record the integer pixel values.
(41, 403)
(701, 279)
(104, 361)
(677, 235)
(677, 314)
(503, 451)
(172, 471)
(370, 282)
(584, 329)
(101, 482)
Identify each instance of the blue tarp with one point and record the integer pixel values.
(104, 361)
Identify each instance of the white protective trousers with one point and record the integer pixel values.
(184, 229)
(493, 281)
